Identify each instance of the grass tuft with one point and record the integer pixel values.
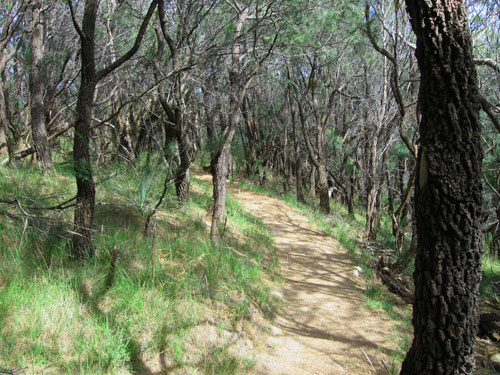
(134, 307)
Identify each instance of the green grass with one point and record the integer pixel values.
(132, 307)
(490, 284)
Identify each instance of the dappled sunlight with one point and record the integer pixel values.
(324, 325)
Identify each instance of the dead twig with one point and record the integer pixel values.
(369, 360)
(12, 372)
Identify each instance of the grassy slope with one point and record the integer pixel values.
(131, 309)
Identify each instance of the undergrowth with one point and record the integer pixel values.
(134, 307)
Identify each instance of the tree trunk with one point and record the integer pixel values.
(298, 161)
(85, 196)
(324, 197)
(220, 173)
(350, 196)
(5, 123)
(222, 156)
(6, 118)
(182, 178)
(447, 193)
(36, 82)
(312, 182)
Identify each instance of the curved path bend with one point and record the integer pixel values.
(324, 326)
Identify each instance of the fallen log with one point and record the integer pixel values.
(489, 326)
(396, 285)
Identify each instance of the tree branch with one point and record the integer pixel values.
(488, 62)
(75, 22)
(488, 109)
(138, 40)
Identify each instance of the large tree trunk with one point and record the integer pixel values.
(36, 82)
(447, 193)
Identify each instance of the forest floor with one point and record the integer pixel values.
(323, 325)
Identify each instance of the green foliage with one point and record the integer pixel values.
(489, 289)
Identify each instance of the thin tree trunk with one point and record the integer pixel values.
(85, 196)
(220, 173)
(182, 178)
(312, 182)
(324, 197)
(5, 124)
(222, 157)
(298, 159)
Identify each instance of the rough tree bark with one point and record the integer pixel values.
(36, 82)
(85, 196)
(447, 193)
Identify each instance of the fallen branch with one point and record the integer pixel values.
(12, 372)
(395, 285)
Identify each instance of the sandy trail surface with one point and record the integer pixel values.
(324, 326)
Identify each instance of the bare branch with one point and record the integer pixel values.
(138, 40)
(75, 22)
(488, 62)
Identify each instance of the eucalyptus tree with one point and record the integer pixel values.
(448, 193)
(485, 31)
(37, 86)
(89, 78)
(13, 16)
(251, 34)
(392, 41)
(187, 45)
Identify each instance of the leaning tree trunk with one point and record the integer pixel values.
(447, 193)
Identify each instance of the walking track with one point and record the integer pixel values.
(324, 326)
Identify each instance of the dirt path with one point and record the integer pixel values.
(324, 326)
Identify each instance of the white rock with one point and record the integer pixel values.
(277, 294)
